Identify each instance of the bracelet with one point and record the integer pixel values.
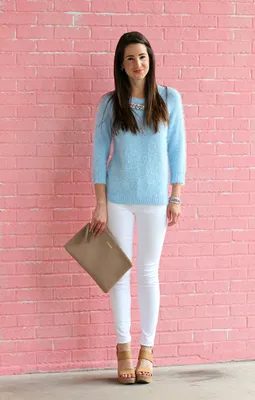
(174, 200)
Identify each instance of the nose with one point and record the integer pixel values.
(137, 63)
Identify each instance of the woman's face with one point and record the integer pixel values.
(136, 61)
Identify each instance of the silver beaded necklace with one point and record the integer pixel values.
(135, 106)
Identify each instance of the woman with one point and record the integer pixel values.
(145, 123)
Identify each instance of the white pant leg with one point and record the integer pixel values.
(151, 228)
(121, 224)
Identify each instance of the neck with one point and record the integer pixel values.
(138, 89)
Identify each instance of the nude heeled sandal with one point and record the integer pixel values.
(144, 355)
(125, 355)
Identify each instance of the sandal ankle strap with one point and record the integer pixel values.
(124, 355)
(145, 355)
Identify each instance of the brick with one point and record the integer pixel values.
(244, 334)
(13, 18)
(181, 59)
(27, 5)
(245, 9)
(71, 32)
(72, 5)
(229, 298)
(35, 85)
(55, 45)
(35, 345)
(242, 310)
(234, 22)
(235, 73)
(229, 322)
(33, 295)
(235, 98)
(53, 332)
(105, 33)
(216, 33)
(17, 45)
(35, 59)
(35, 32)
(90, 45)
(17, 333)
(228, 249)
(54, 18)
(198, 73)
(35, 111)
(53, 307)
(72, 59)
(18, 359)
(53, 357)
(54, 98)
(235, 47)
(199, 47)
(7, 32)
(200, 21)
(54, 72)
(210, 336)
(8, 6)
(91, 73)
(130, 21)
(93, 20)
(195, 299)
(217, 9)
(216, 60)
(229, 348)
(181, 33)
(202, 350)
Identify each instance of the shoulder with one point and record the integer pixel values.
(174, 98)
(105, 104)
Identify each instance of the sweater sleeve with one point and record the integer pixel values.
(102, 141)
(176, 138)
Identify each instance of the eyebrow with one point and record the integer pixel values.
(141, 54)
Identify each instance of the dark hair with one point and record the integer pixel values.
(155, 107)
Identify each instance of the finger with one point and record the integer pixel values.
(101, 230)
(92, 225)
(96, 228)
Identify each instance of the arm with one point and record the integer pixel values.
(101, 151)
(176, 155)
(176, 144)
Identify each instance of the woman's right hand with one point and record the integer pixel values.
(99, 219)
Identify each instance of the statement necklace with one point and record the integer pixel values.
(135, 106)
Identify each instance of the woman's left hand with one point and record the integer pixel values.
(173, 213)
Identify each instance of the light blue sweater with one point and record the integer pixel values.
(138, 172)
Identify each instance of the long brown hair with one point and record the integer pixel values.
(155, 107)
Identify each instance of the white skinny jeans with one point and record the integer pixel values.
(151, 222)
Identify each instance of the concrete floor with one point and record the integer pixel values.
(230, 381)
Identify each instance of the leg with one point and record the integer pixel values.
(151, 228)
(121, 224)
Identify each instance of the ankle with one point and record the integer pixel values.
(147, 348)
(124, 346)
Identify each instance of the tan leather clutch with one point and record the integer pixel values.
(100, 256)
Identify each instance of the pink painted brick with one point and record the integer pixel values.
(56, 62)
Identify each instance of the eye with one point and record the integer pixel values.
(130, 58)
(143, 57)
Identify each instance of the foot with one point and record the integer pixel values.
(126, 364)
(144, 365)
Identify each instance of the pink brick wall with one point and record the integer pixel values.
(56, 61)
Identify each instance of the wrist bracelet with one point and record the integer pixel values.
(174, 200)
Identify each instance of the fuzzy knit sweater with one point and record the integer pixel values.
(142, 165)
